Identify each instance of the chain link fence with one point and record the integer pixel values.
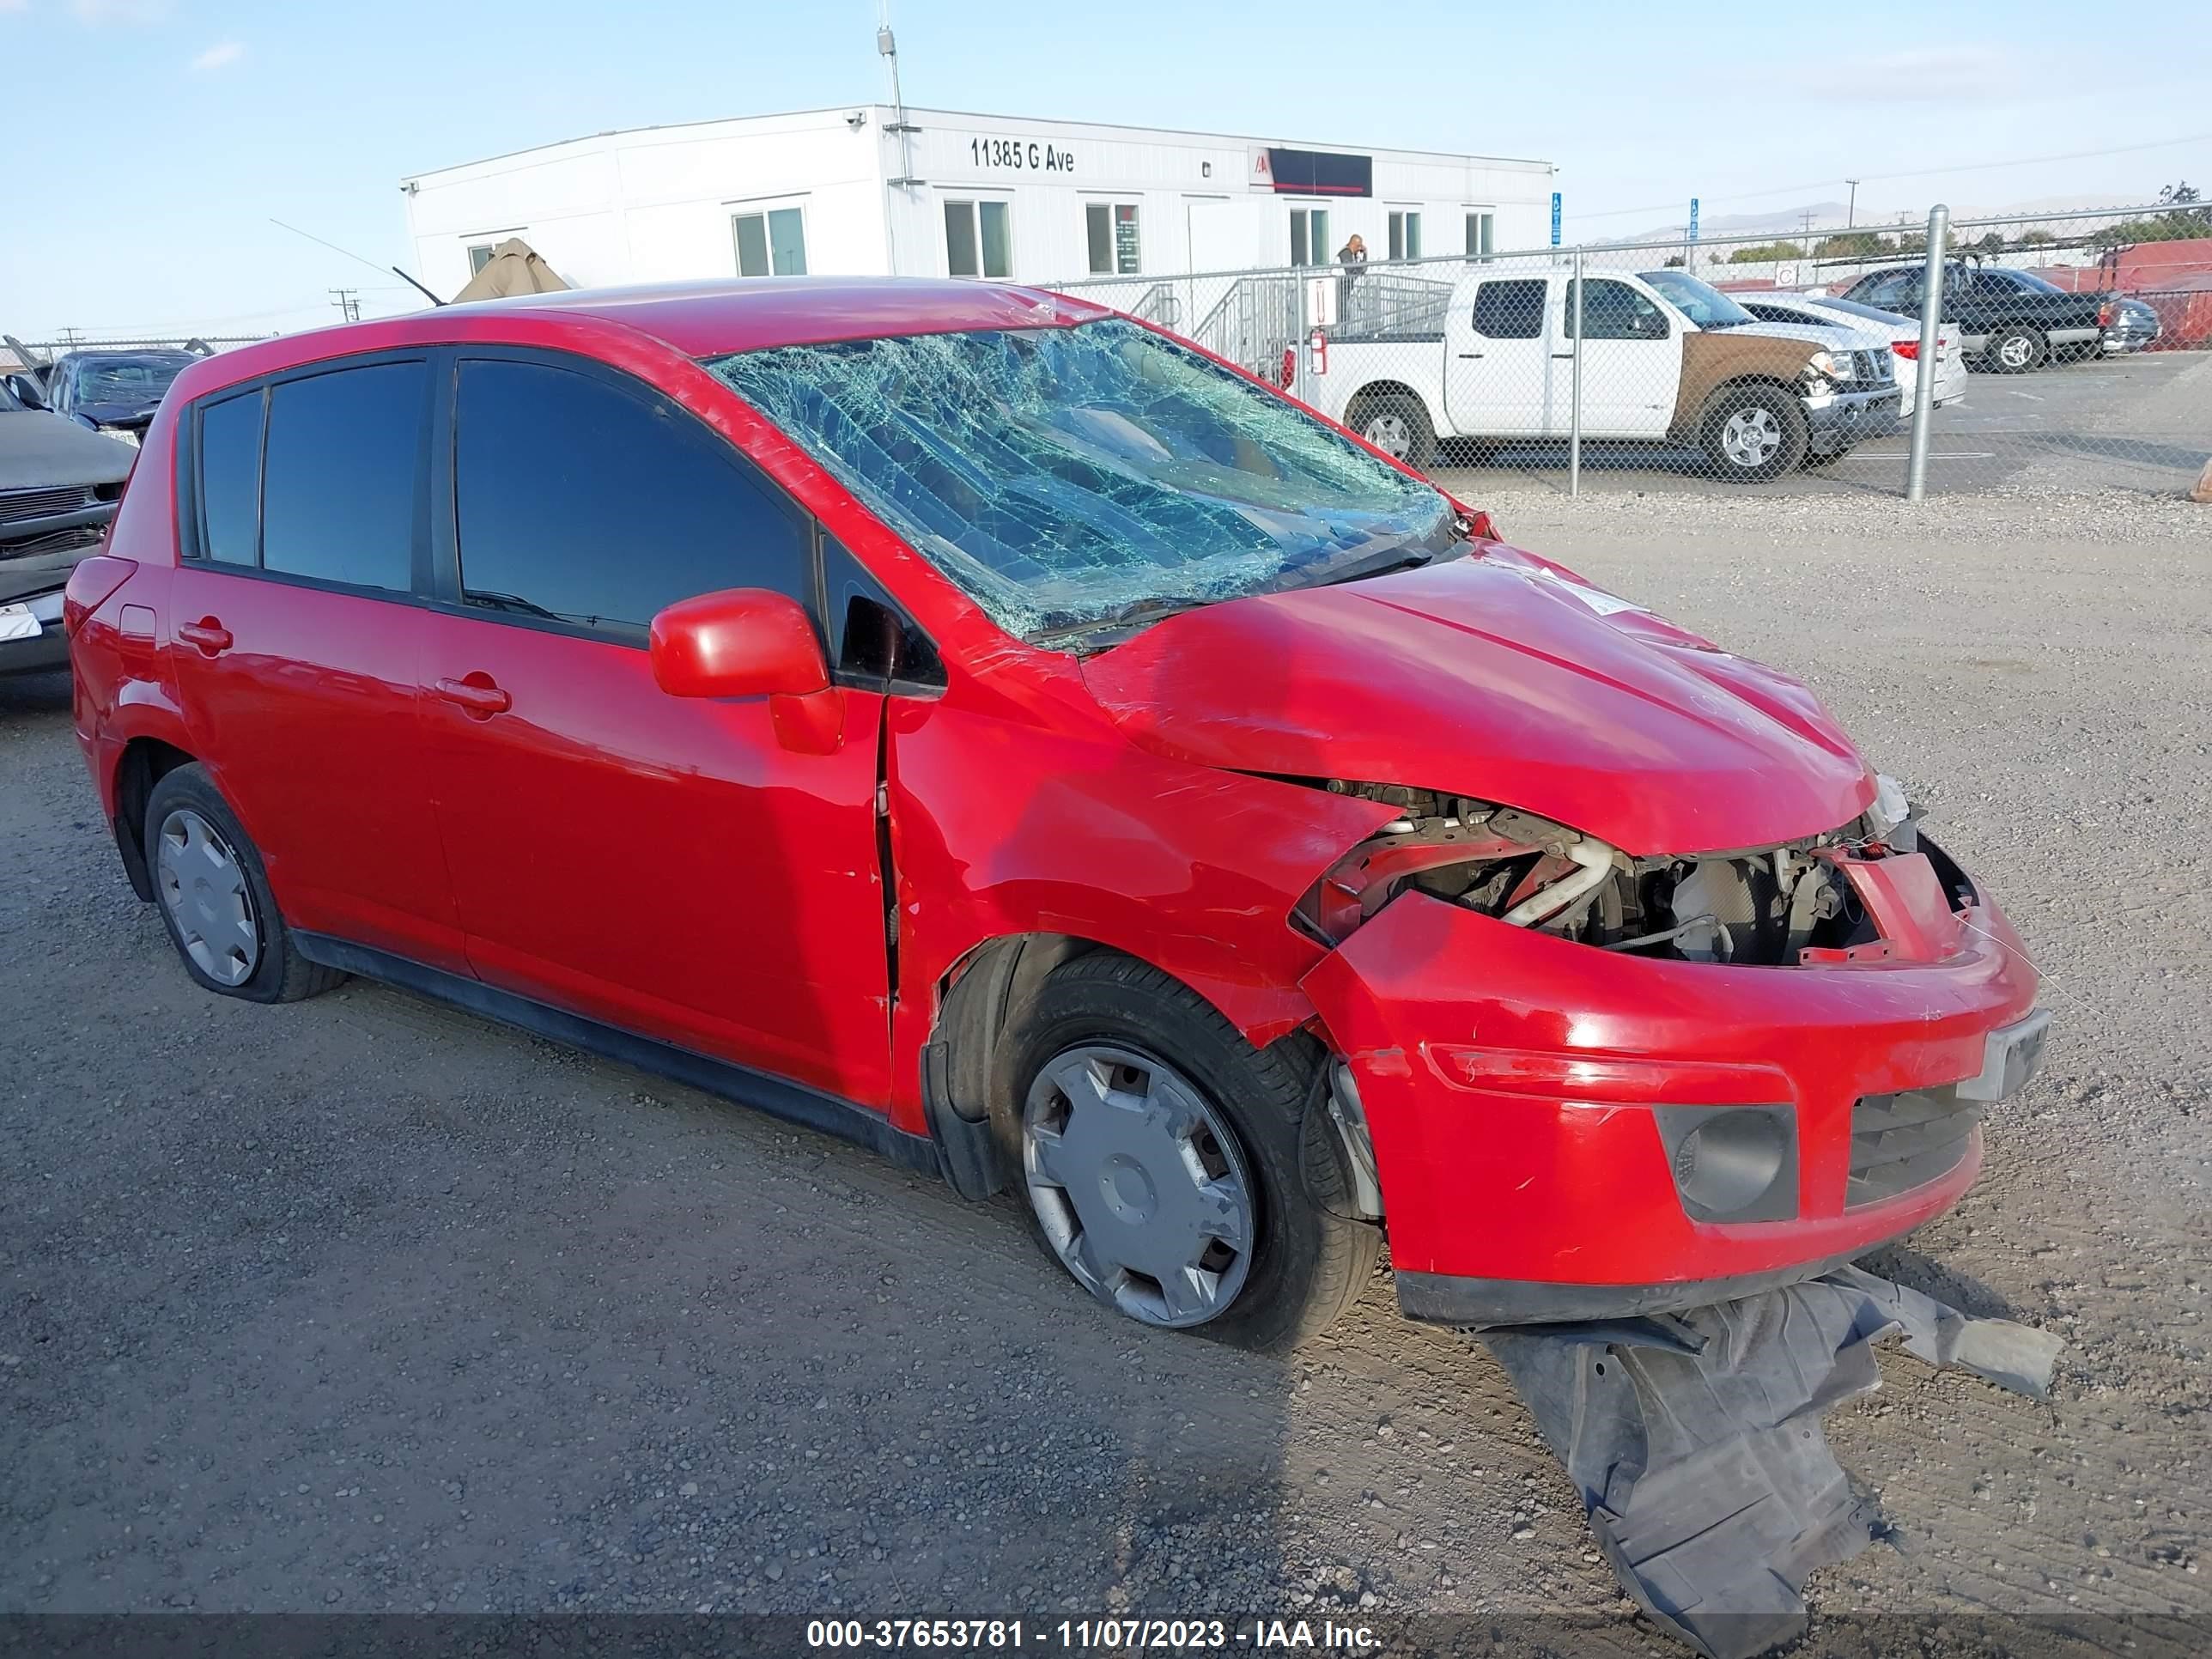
(2068, 351)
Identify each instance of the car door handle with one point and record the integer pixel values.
(208, 634)
(477, 694)
(1470, 354)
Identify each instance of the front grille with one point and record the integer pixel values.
(1902, 1141)
(54, 541)
(17, 505)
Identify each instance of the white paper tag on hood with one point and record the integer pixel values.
(1605, 604)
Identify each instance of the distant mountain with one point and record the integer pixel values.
(1828, 216)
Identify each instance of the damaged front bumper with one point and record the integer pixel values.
(1561, 1133)
(1839, 420)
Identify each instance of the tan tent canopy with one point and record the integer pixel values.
(514, 268)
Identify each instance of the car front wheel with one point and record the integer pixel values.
(1166, 1162)
(1754, 433)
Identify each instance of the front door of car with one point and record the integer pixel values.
(294, 627)
(1498, 359)
(1632, 359)
(704, 871)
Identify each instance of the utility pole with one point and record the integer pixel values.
(1852, 212)
(1809, 233)
(70, 336)
(348, 301)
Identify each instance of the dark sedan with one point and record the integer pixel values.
(58, 487)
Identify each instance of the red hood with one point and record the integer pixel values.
(1494, 676)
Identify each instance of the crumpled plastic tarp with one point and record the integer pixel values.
(1695, 1441)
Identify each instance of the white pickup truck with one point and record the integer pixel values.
(1491, 359)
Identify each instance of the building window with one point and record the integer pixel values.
(479, 257)
(1309, 236)
(1111, 230)
(1479, 230)
(978, 240)
(770, 244)
(1406, 235)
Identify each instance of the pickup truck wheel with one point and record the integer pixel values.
(1398, 426)
(1166, 1161)
(2015, 350)
(1754, 432)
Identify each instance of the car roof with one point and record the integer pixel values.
(695, 319)
(703, 318)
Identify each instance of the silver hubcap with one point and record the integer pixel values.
(205, 893)
(1141, 1188)
(2013, 353)
(1750, 436)
(1390, 434)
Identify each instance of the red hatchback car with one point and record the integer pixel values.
(968, 720)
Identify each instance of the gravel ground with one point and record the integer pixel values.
(361, 1304)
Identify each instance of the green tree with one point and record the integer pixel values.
(1855, 244)
(2036, 239)
(2187, 216)
(1992, 242)
(1765, 252)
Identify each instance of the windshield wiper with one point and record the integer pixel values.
(1151, 608)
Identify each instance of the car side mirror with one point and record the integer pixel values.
(737, 642)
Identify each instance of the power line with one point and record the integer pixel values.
(380, 270)
(348, 301)
(1917, 172)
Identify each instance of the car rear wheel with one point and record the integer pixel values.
(214, 899)
(1166, 1162)
(1397, 425)
(1754, 433)
(2015, 350)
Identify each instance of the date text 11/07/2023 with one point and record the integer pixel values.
(1106, 1635)
(1020, 155)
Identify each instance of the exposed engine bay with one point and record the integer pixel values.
(1769, 906)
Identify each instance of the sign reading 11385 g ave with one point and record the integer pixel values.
(1020, 155)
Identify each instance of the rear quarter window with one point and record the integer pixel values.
(230, 479)
(341, 483)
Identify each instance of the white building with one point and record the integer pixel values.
(856, 191)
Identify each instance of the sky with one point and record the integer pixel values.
(151, 143)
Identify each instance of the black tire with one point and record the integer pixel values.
(2025, 348)
(1307, 1265)
(278, 972)
(1391, 413)
(1781, 408)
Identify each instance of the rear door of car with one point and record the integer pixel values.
(1499, 370)
(292, 629)
(705, 872)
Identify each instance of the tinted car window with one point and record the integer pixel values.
(1614, 311)
(1509, 311)
(591, 503)
(339, 478)
(230, 479)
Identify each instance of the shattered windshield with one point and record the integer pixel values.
(1072, 478)
(127, 380)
